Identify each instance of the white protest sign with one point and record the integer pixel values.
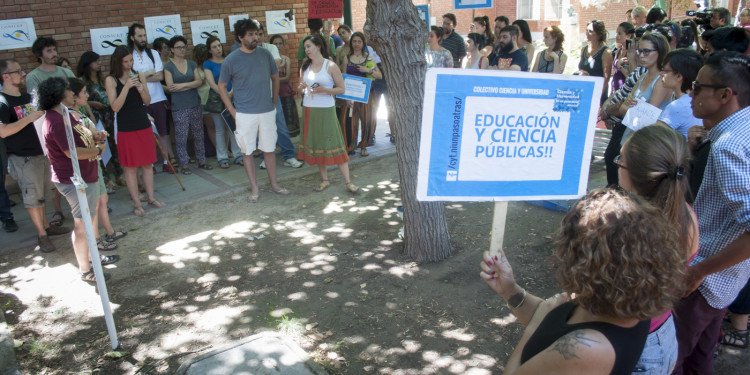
(162, 26)
(17, 33)
(280, 22)
(202, 30)
(641, 115)
(234, 18)
(104, 41)
(502, 136)
(356, 88)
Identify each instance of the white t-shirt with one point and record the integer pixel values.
(142, 63)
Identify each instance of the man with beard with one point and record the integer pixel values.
(249, 69)
(451, 40)
(148, 62)
(45, 50)
(509, 56)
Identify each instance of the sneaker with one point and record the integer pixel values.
(56, 230)
(10, 225)
(167, 168)
(263, 164)
(293, 162)
(45, 245)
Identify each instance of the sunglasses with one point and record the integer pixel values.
(617, 163)
(644, 51)
(697, 86)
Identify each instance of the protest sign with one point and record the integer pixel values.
(357, 88)
(105, 40)
(424, 13)
(472, 4)
(234, 18)
(162, 26)
(17, 33)
(502, 136)
(325, 9)
(202, 30)
(641, 115)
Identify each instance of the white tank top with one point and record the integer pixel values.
(323, 79)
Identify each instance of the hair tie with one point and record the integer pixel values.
(676, 173)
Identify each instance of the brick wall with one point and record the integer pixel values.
(69, 22)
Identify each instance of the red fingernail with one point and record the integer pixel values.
(492, 272)
(496, 257)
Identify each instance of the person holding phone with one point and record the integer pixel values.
(620, 63)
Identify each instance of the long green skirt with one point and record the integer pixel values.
(322, 142)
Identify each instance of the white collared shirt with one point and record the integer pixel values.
(142, 63)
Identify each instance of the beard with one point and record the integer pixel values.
(251, 45)
(506, 48)
(140, 46)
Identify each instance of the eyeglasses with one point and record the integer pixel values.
(665, 71)
(19, 71)
(697, 86)
(617, 162)
(179, 47)
(644, 51)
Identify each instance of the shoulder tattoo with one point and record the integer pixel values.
(567, 344)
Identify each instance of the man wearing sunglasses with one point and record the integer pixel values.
(721, 97)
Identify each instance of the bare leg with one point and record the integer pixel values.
(148, 182)
(739, 321)
(131, 179)
(39, 218)
(270, 159)
(56, 201)
(81, 246)
(344, 168)
(250, 170)
(323, 169)
(101, 211)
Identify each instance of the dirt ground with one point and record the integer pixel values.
(325, 268)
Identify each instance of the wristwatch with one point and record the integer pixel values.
(517, 299)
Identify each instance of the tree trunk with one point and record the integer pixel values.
(395, 30)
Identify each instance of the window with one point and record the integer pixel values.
(528, 9)
(553, 10)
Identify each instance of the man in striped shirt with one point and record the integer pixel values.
(451, 40)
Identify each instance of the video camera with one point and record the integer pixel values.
(702, 18)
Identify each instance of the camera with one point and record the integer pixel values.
(702, 18)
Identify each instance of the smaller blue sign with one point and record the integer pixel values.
(472, 4)
(357, 88)
(424, 13)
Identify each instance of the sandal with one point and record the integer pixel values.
(108, 259)
(138, 211)
(91, 277)
(323, 185)
(364, 152)
(281, 191)
(57, 221)
(186, 170)
(253, 198)
(157, 204)
(735, 337)
(116, 235)
(223, 165)
(103, 245)
(352, 188)
(205, 166)
(240, 161)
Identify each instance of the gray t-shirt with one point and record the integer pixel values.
(249, 74)
(188, 98)
(37, 76)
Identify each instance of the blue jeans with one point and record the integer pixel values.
(283, 140)
(5, 213)
(660, 353)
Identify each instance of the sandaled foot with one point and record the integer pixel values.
(253, 198)
(205, 166)
(157, 204)
(735, 337)
(57, 218)
(352, 188)
(224, 165)
(138, 211)
(91, 277)
(323, 185)
(108, 259)
(281, 191)
(105, 245)
(116, 235)
(239, 161)
(186, 170)
(364, 152)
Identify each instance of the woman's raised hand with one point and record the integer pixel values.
(497, 273)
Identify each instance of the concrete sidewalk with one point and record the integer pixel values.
(201, 185)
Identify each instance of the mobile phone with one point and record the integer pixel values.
(229, 120)
(628, 43)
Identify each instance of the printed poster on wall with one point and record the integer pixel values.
(424, 13)
(105, 40)
(204, 29)
(502, 136)
(162, 26)
(234, 18)
(280, 22)
(17, 33)
(325, 9)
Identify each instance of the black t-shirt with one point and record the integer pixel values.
(26, 141)
(517, 57)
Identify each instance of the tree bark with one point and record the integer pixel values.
(394, 29)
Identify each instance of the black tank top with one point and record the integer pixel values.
(132, 116)
(627, 342)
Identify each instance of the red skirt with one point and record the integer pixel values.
(136, 149)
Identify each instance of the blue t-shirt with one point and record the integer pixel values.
(250, 75)
(215, 69)
(679, 116)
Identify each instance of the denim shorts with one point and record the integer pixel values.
(660, 353)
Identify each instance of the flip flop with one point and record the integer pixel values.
(224, 165)
(116, 235)
(281, 191)
(352, 188)
(323, 185)
(138, 211)
(157, 204)
(103, 245)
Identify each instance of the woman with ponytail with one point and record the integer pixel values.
(481, 26)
